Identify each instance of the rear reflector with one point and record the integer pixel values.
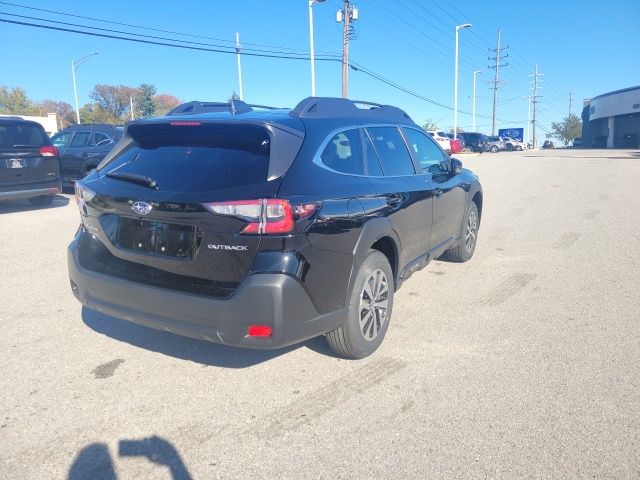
(48, 151)
(260, 331)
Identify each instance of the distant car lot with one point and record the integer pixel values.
(528, 351)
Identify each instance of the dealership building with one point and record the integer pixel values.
(612, 119)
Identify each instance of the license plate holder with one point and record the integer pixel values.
(15, 163)
(156, 238)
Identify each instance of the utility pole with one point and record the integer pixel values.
(528, 98)
(348, 15)
(570, 94)
(239, 66)
(496, 79)
(536, 86)
(345, 48)
(131, 105)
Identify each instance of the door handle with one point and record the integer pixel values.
(393, 199)
(437, 193)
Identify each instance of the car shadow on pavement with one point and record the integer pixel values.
(198, 351)
(94, 462)
(12, 206)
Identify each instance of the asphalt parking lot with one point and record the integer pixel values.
(524, 362)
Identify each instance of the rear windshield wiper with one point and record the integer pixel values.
(133, 178)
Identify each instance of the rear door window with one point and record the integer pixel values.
(198, 158)
(100, 139)
(22, 135)
(61, 139)
(391, 150)
(80, 139)
(343, 153)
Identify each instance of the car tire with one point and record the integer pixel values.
(518, 148)
(369, 309)
(494, 149)
(464, 250)
(41, 201)
(88, 169)
(509, 147)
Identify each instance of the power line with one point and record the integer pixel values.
(154, 37)
(82, 17)
(355, 66)
(366, 71)
(164, 44)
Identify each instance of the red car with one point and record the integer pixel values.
(456, 146)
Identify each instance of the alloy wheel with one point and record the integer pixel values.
(472, 231)
(374, 302)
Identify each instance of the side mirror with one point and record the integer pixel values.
(456, 166)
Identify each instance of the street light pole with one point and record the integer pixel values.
(74, 66)
(475, 73)
(455, 83)
(312, 48)
(239, 65)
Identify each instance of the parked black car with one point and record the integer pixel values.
(29, 164)
(265, 228)
(82, 147)
(630, 140)
(477, 142)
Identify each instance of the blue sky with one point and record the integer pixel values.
(587, 47)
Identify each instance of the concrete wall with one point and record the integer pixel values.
(50, 122)
(620, 102)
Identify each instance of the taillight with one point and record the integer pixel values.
(264, 216)
(48, 151)
(185, 124)
(83, 193)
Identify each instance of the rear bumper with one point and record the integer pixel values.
(276, 300)
(19, 192)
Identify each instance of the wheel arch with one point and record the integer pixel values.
(477, 199)
(377, 234)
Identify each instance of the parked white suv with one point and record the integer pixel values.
(513, 144)
(442, 139)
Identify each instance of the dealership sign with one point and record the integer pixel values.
(516, 133)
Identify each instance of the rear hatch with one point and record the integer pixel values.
(179, 204)
(26, 154)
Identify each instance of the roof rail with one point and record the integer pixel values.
(235, 107)
(107, 125)
(324, 107)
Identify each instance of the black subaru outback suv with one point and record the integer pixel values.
(262, 228)
(29, 163)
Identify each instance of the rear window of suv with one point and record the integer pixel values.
(195, 158)
(22, 134)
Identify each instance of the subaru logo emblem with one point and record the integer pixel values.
(141, 208)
